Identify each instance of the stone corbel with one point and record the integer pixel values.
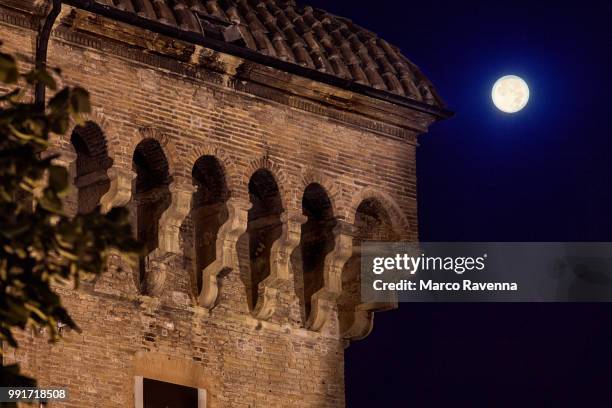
(364, 319)
(225, 251)
(168, 247)
(280, 259)
(324, 300)
(120, 191)
(171, 220)
(66, 159)
(362, 325)
(157, 264)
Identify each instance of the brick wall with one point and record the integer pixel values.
(155, 323)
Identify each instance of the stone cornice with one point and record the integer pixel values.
(15, 17)
(267, 83)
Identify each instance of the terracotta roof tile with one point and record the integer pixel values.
(302, 35)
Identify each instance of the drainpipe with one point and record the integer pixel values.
(42, 45)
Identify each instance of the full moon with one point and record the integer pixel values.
(510, 94)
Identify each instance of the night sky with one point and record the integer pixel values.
(544, 174)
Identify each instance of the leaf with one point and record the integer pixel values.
(35, 310)
(21, 135)
(58, 179)
(51, 202)
(118, 215)
(79, 101)
(13, 231)
(9, 374)
(8, 69)
(59, 102)
(59, 124)
(42, 76)
(39, 244)
(11, 96)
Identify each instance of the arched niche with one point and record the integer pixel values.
(150, 195)
(372, 223)
(92, 164)
(208, 213)
(316, 241)
(264, 227)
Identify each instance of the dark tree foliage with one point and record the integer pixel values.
(41, 246)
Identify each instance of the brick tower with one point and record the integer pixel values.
(257, 143)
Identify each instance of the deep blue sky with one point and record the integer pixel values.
(544, 174)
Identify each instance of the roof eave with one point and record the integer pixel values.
(254, 56)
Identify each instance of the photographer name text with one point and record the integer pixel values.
(405, 264)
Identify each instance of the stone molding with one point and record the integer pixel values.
(324, 301)
(162, 367)
(229, 166)
(120, 191)
(400, 222)
(280, 268)
(283, 182)
(310, 175)
(363, 322)
(225, 252)
(320, 105)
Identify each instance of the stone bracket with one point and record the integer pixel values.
(120, 191)
(362, 325)
(280, 259)
(324, 301)
(225, 250)
(171, 220)
(364, 319)
(168, 239)
(156, 271)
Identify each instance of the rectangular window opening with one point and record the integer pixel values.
(151, 393)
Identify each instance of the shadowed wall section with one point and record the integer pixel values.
(263, 228)
(316, 242)
(372, 223)
(92, 164)
(151, 195)
(208, 213)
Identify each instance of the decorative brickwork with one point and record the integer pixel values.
(251, 186)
